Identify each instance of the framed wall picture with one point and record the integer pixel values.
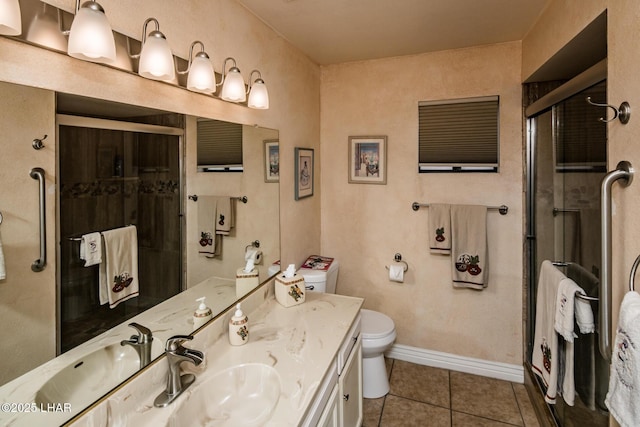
(368, 159)
(271, 160)
(304, 172)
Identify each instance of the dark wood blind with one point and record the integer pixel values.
(219, 143)
(459, 134)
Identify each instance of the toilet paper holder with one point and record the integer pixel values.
(398, 258)
(254, 244)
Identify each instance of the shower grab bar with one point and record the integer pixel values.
(579, 296)
(624, 172)
(632, 275)
(39, 264)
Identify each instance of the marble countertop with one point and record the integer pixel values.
(171, 317)
(299, 342)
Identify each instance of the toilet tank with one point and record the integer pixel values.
(319, 280)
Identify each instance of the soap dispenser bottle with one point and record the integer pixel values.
(238, 328)
(202, 314)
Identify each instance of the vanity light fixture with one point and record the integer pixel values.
(91, 38)
(156, 59)
(201, 76)
(44, 29)
(10, 18)
(232, 83)
(258, 94)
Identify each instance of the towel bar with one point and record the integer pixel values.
(243, 199)
(503, 209)
(579, 296)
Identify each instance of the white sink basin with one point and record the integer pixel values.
(244, 395)
(92, 376)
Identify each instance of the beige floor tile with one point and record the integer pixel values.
(421, 383)
(526, 408)
(372, 410)
(400, 412)
(458, 419)
(388, 363)
(484, 397)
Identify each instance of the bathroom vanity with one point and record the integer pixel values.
(301, 366)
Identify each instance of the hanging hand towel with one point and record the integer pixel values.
(223, 216)
(91, 249)
(3, 267)
(545, 357)
(469, 246)
(569, 308)
(439, 229)
(120, 264)
(624, 379)
(208, 243)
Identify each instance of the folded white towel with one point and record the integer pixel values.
(569, 307)
(3, 267)
(121, 264)
(91, 249)
(439, 227)
(545, 357)
(469, 264)
(624, 379)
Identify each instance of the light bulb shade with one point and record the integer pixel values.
(259, 96)
(90, 37)
(10, 18)
(233, 87)
(201, 77)
(156, 59)
(44, 30)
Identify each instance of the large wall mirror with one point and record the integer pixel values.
(109, 165)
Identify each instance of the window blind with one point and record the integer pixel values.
(219, 145)
(458, 135)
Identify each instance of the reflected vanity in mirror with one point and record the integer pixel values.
(103, 170)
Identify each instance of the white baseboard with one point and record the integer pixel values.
(469, 365)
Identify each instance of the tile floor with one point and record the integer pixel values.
(425, 396)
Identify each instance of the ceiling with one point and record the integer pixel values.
(335, 31)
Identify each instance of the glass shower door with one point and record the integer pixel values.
(566, 163)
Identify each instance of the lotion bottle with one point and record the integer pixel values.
(238, 328)
(202, 314)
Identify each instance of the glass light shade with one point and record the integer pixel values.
(10, 18)
(201, 77)
(44, 29)
(233, 86)
(90, 37)
(259, 96)
(156, 59)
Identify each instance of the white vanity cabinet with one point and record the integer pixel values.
(339, 400)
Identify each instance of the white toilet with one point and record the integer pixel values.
(378, 332)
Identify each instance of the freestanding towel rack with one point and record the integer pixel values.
(623, 172)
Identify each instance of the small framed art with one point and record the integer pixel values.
(271, 160)
(304, 172)
(368, 159)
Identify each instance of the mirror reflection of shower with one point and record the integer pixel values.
(112, 178)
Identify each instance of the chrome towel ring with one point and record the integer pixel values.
(632, 275)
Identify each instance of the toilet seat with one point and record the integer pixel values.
(375, 325)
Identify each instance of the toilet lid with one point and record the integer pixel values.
(375, 324)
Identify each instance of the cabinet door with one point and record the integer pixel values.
(329, 417)
(350, 385)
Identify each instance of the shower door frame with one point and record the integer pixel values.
(590, 77)
(110, 124)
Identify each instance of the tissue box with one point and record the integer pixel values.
(289, 290)
(246, 282)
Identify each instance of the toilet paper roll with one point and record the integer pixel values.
(254, 254)
(396, 272)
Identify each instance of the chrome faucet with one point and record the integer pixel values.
(177, 354)
(141, 343)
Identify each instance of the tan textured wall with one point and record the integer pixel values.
(363, 226)
(226, 29)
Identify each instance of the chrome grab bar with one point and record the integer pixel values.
(39, 264)
(624, 172)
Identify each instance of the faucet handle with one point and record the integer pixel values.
(175, 342)
(144, 334)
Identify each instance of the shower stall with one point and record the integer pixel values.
(113, 174)
(566, 162)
